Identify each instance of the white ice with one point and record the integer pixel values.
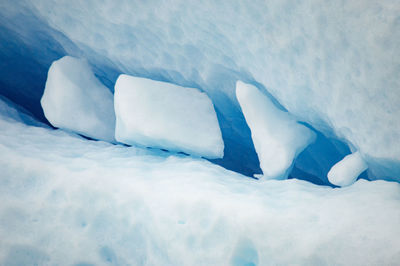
(74, 99)
(163, 115)
(278, 138)
(333, 64)
(69, 201)
(345, 172)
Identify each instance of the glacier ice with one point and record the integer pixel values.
(333, 65)
(163, 115)
(346, 171)
(278, 138)
(69, 201)
(322, 62)
(74, 99)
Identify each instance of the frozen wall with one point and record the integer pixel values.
(27, 48)
(333, 65)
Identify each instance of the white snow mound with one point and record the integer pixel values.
(277, 137)
(163, 115)
(74, 99)
(345, 172)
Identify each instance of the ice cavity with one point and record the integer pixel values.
(345, 172)
(11, 111)
(163, 115)
(277, 137)
(74, 99)
(321, 61)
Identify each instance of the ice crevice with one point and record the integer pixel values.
(163, 115)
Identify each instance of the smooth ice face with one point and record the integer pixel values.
(277, 137)
(163, 115)
(74, 99)
(345, 172)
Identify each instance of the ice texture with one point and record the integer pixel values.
(346, 171)
(278, 138)
(74, 99)
(333, 65)
(69, 201)
(163, 115)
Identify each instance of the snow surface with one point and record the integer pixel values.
(70, 201)
(346, 171)
(278, 138)
(163, 115)
(74, 99)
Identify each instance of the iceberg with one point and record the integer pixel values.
(74, 99)
(163, 115)
(277, 137)
(345, 172)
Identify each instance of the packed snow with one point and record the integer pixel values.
(163, 115)
(66, 200)
(74, 99)
(345, 172)
(278, 138)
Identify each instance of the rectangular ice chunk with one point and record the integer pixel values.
(277, 137)
(163, 115)
(74, 99)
